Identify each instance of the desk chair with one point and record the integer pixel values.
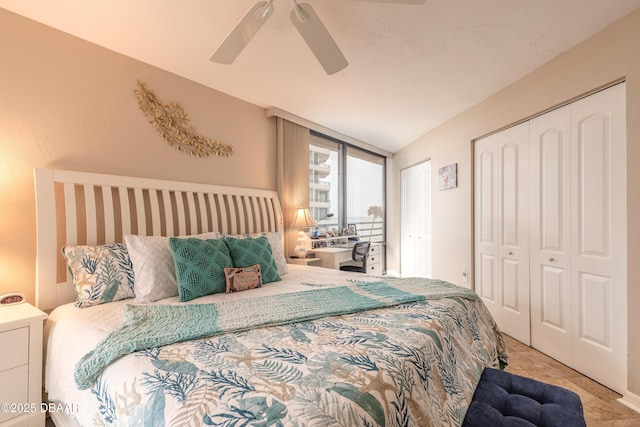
(359, 254)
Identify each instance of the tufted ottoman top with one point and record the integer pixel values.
(508, 400)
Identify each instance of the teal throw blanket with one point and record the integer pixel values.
(148, 326)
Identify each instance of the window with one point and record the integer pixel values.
(349, 184)
(365, 193)
(325, 183)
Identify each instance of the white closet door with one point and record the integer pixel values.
(502, 230)
(415, 239)
(551, 296)
(513, 220)
(407, 207)
(578, 236)
(486, 222)
(424, 265)
(576, 225)
(598, 233)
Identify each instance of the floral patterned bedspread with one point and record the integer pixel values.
(414, 364)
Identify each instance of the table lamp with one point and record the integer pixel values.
(301, 221)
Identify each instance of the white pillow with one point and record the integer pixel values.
(153, 267)
(275, 240)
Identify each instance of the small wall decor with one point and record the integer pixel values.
(448, 176)
(172, 123)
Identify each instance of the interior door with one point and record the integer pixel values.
(513, 231)
(415, 227)
(502, 228)
(486, 221)
(578, 236)
(550, 262)
(598, 233)
(407, 206)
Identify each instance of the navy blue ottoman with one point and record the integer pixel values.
(508, 400)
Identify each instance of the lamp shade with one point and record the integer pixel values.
(303, 219)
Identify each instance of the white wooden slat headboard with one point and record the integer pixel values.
(79, 208)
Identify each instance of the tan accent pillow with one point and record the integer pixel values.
(243, 279)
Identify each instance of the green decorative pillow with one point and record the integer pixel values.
(100, 273)
(250, 251)
(200, 266)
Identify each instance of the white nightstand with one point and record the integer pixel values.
(376, 259)
(305, 261)
(21, 366)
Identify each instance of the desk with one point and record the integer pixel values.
(305, 261)
(332, 257)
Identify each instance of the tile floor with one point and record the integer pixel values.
(600, 406)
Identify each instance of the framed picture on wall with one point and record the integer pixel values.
(448, 176)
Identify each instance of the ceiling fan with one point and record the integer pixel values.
(306, 21)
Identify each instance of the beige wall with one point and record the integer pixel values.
(610, 55)
(66, 103)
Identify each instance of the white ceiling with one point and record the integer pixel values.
(412, 67)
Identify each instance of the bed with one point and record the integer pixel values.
(309, 347)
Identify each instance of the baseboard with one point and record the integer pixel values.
(393, 273)
(631, 400)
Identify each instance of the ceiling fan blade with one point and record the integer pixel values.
(240, 36)
(318, 38)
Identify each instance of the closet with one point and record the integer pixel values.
(550, 233)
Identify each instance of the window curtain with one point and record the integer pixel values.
(292, 175)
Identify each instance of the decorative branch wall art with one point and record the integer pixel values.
(172, 123)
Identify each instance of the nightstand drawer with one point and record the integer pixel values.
(17, 340)
(374, 250)
(15, 389)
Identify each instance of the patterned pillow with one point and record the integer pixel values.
(250, 251)
(100, 273)
(199, 266)
(243, 279)
(155, 272)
